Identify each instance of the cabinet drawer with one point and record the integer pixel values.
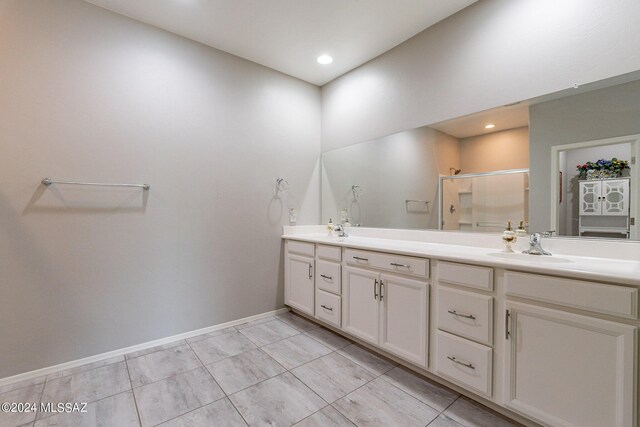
(328, 308)
(466, 314)
(328, 276)
(388, 262)
(465, 362)
(472, 276)
(590, 296)
(303, 248)
(333, 253)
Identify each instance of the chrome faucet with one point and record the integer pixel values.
(535, 245)
(339, 228)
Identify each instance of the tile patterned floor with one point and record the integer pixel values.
(282, 370)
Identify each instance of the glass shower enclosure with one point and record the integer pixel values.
(484, 202)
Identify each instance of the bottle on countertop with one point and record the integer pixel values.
(330, 228)
(522, 238)
(508, 237)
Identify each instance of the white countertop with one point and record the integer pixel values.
(592, 268)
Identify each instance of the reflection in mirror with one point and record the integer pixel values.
(484, 202)
(566, 140)
(389, 182)
(397, 176)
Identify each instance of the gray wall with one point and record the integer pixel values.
(603, 113)
(389, 171)
(492, 53)
(86, 94)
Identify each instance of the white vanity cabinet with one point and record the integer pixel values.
(464, 318)
(565, 369)
(299, 289)
(329, 284)
(557, 351)
(387, 310)
(568, 369)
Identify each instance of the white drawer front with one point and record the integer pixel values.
(333, 253)
(466, 314)
(464, 362)
(328, 308)
(328, 276)
(466, 275)
(303, 248)
(397, 263)
(597, 297)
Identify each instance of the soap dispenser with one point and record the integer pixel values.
(508, 237)
(522, 238)
(330, 228)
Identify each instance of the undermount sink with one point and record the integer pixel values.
(542, 259)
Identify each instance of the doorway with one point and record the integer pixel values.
(596, 205)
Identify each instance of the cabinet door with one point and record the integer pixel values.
(615, 197)
(299, 288)
(360, 306)
(564, 369)
(404, 317)
(590, 193)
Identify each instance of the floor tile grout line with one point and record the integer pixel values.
(309, 387)
(35, 418)
(277, 375)
(324, 344)
(376, 375)
(309, 361)
(135, 402)
(192, 340)
(89, 403)
(202, 366)
(20, 388)
(405, 392)
(443, 412)
(208, 371)
(154, 351)
(264, 345)
(81, 372)
(191, 410)
(238, 411)
(344, 415)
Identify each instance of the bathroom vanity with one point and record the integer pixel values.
(552, 339)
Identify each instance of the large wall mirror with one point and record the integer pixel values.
(564, 163)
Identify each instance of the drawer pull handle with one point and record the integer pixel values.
(466, 316)
(361, 259)
(381, 290)
(395, 264)
(326, 277)
(468, 365)
(326, 308)
(310, 271)
(375, 289)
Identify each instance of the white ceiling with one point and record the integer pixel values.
(507, 117)
(288, 35)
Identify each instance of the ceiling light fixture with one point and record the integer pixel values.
(489, 126)
(324, 59)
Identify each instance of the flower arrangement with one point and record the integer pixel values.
(602, 169)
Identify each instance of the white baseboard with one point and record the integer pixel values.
(121, 352)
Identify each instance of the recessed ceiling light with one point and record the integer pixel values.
(489, 126)
(324, 59)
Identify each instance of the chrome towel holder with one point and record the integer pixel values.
(48, 181)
